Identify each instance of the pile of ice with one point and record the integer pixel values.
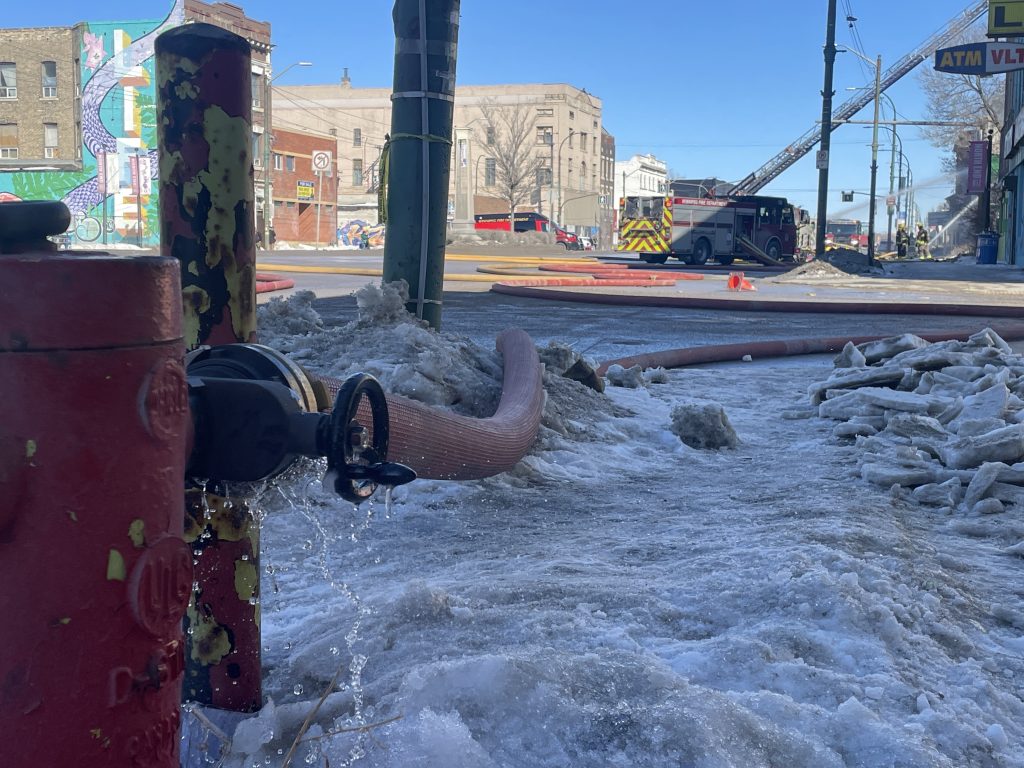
(942, 423)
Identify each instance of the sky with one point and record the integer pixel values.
(713, 89)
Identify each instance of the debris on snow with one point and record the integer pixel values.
(945, 419)
(702, 424)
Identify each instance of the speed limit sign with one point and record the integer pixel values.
(322, 161)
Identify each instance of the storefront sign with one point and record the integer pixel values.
(980, 58)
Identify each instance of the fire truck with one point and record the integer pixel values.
(696, 229)
(846, 233)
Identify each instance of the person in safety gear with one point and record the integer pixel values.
(921, 240)
(902, 241)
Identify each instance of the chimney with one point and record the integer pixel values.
(346, 81)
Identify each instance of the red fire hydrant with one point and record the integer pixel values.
(95, 575)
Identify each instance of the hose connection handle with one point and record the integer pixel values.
(254, 414)
(356, 455)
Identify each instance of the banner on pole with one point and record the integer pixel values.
(977, 167)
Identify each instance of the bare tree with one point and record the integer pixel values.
(971, 99)
(509, 138)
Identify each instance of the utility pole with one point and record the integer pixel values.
(423, 100)
(874, 162)
(826, 127)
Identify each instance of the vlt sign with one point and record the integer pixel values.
(980, 58)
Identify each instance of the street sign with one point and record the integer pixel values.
(980, 58)
(1005, 18)
(821, 159)
(304, 190)
(322, 160)
(891, 201)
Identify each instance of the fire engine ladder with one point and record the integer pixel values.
(782, 161)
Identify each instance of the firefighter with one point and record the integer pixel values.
(902, 241)
(921, 241)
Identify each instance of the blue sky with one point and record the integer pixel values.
(712, 88)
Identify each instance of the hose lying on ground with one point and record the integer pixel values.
(445, 446)
(720, 353)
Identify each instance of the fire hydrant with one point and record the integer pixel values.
(100, 423)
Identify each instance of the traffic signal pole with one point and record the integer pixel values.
(826, 127)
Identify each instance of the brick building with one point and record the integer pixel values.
(302, 197)
(39, 91)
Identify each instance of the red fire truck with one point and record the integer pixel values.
(696, 229)
(846, 233)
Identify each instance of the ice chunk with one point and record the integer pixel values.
(852, 429)
(946, 494)
(883, 349)
(1007, 493)
(854, 378)
(887, 475)
(253, 733)
(1006, 445)
(977, 489)
(988, 507)
(850, 357)
(975, 427)
(630, 378)
(703, 424)
(989, 338)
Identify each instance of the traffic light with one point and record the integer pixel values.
(847, 197)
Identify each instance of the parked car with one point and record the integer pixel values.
(586, 243)
(567, 240)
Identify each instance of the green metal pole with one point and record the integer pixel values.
(426, 40)
(826, 129)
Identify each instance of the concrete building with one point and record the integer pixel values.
(39, 99)
(566, 127)
(609, 202)
(305, 210)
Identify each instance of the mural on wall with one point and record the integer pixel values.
(350, 233)
(113, 198)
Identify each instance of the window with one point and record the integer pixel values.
(583, 141)
(595, 126)
(357, 173)
(490, 172)
(49, 79)
(545, 135)
(571, 134)
(8, 80)
(545, 112)
(289, 163)
(572, 115)
(50, 140)
(357, 137)
(8, 141)
(583, 175)
(277, 162)
(490, 135)
(543, 177)
(257, 89)
(290, 204)
(257, 149)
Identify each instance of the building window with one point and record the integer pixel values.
(357, 173)
(357, 137)
(257, 149)
(583, 175)
(8, 141)
(490, 135)
(490, 172)
(257, 89)
(289, 163)
(543, 177)
(290, 204)
(277, 162)
(545, 135)
(595, 124)
(8, 80)
(572, 115)
(545, 112)
(49, 79)
(50, 140)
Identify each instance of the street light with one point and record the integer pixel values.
(268, 204)
(560, 145)
(874, 146)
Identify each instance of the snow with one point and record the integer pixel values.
(622, 599)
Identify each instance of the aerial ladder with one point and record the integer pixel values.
(768, 172)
